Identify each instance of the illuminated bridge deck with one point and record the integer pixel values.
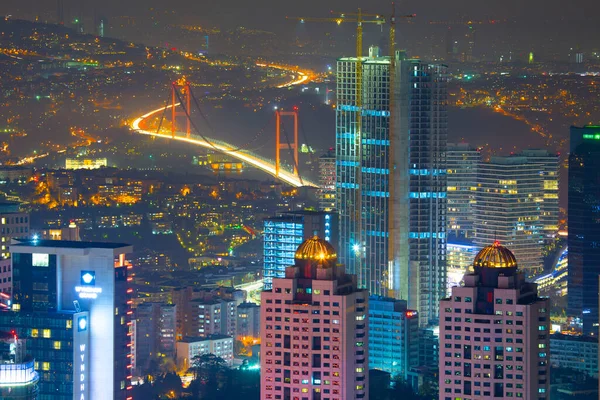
(253, 159)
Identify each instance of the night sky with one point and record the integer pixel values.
(570, 23)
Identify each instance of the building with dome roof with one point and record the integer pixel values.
(494, 333)
(314, 329)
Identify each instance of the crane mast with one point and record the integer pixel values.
(391, 163)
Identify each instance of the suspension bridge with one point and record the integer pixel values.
(180, 104)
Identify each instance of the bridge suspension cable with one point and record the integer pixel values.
(287, 138)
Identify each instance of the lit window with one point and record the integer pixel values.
(69, 324)
(34, 333)
(45, 366)
(57, 345)
(46, 333)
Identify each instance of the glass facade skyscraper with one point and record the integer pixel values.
(548, 163)
(508, 208)
(326, 191)
(393, 336)
(584, 226)
(416, 271)
(462, 161)
(285, 232)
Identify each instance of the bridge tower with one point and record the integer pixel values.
(182, 87)
(288, 145)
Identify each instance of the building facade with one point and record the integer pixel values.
(285, 232)
(15, 224)
(18, 377)
(248, 321)
(85, 163)
(393, 336)
(55, 278)
(509, 208)
(579, 353)
(460, 256)
(462, 162)
(155, 333)
(326, 190)
(584, 226)
(394, 241)
(494, 333)
(314, 337)
(190, 347)
(54, 341)
(549, 168)
(213, 317)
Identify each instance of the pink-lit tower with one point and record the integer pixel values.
(494, 333)
(314, 330)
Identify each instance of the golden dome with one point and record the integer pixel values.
(315, 249)
(495, 256)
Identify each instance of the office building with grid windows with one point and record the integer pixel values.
(416, 271)
(314, 330)
(326, 191)
(494, 333)
(55, 283)
(462, 161)
(509, 207)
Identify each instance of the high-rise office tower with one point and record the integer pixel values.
(71, 303)
(286, 231)
(327, 181)
(548, 164)
(494, 333)
(462, 161)
(155, 333)
(508, 208)
(584, 226)
(393, 336)
(407, 261)
(314, 330)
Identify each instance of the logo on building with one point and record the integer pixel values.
(82, 324)
(87, 288)
(88, 278)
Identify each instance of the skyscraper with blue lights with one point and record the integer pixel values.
(416, 211)
(285, 232)
(584, 226)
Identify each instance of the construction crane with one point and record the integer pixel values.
(391, 164)
(358, 18)
(469, 22)
(391, 127)
(378, 19)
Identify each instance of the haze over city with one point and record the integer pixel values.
(299, 200)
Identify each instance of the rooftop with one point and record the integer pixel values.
(66, 244)
(194, 339)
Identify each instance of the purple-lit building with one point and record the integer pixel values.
(494, 333)
(314, 330)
